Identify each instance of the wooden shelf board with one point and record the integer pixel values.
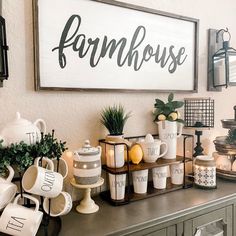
(143, 165)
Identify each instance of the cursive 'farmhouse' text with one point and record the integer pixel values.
(131, 53)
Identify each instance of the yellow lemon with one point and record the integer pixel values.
(136, 154)
(161, 117)
(173, 115)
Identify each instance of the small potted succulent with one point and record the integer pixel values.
(169, 123)
(114, 118)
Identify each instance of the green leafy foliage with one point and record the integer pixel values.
(22, 155)
(114, 119)
(231, 137)
(168, 110)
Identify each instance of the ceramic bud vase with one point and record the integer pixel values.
(115, 153)
(169, 131)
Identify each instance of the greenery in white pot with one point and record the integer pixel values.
(167, 111)
(114, 119)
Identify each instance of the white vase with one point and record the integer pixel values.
(169, 131)
(115, 157)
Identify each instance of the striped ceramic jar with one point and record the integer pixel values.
(87, 164)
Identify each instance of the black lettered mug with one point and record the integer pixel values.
(42, 181)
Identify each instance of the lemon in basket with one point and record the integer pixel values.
(136, 154)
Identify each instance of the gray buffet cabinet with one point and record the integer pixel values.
(182, 213)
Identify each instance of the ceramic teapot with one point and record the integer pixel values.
(87, 164)
(22, 130)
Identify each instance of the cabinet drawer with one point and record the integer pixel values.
(223, 216)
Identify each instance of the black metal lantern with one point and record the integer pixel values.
(224, 62)
(3, 51)
(198, 115)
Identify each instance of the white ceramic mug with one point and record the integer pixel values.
(19, 220)
(159, 176)
(140, 181)
(41, 181)
(60, 205)
(7, 189)
(151, 150)
(177, 173)
(169, 131)
(117, 186)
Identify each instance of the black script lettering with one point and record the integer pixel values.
(147, 53)
(161, 59)
(61, 55)
(97, 48)
(16, 223)
(133, 53)
(113, 46)
(181, 52)
(94, 50)
(81, 44)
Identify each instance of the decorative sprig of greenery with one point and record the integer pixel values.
(114, 119)
(22, 155)
(231, 137)
(167, 111)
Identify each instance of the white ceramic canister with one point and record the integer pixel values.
(87, 164)
(205, 172)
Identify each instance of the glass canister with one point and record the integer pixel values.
(87, 164)
(205, 172)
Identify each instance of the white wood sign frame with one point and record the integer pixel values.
(109, 45)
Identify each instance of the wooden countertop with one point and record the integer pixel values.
(144, 213)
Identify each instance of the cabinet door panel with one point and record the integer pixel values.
(162, 232)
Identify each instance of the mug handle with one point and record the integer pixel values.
(11, 174)
(179, 129)
(50, 162)
(66, 166)
(42, 125)
(29, 197)
(166, 149)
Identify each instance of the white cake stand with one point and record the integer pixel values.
(87, 205)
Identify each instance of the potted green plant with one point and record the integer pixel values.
(169, 123)
(114, 119)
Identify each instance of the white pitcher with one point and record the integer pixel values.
(169, 131)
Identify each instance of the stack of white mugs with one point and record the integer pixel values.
(37, 180)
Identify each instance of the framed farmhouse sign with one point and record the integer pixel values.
(109, 45)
